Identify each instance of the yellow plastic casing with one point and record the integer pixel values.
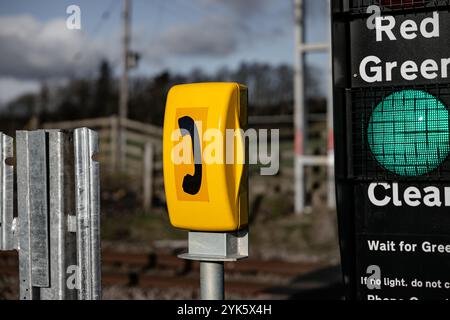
(221, 201)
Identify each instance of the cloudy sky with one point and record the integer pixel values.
(179, 35)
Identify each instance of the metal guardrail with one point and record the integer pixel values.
(57, 228)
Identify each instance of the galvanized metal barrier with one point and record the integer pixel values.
(57, 228)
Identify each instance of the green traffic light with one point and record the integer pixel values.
(408, 132)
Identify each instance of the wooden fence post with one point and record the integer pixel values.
(114, 141)
(148, 176)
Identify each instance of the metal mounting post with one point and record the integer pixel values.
(211, 280)
(212, 249)
(57, 233)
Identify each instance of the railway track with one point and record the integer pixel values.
(164, 261)
(163, 271)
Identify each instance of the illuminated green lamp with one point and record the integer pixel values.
(408, 132)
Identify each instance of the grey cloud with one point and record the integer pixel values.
(252, 18)
(34, 50)
(210, 37)
(11, 88)
(242, 7)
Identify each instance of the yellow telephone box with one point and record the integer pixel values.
(205, 175)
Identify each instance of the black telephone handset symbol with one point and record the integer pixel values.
(192, 183)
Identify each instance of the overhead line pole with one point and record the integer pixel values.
(298, 109)
(123, 101)
(301, 158)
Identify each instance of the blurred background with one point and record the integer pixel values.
(113, 74)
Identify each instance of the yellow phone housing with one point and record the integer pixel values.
(205, 195)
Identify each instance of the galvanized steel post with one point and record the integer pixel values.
(211, 280)
(6, 192)
(87, 198)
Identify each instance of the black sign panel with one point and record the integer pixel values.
(411, 267)
(406, 237)
(391, 70)
(422, 56)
